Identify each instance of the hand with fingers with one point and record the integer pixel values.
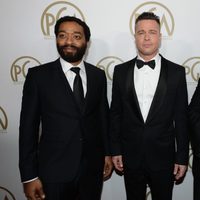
(33, 190)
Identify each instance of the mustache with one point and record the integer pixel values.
(68, 46)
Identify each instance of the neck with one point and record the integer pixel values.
(147, 57)
(75, 63)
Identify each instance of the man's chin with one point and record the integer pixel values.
(69, 53)
(70, 59)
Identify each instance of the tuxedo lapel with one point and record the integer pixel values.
(161, 90)
(131, 89)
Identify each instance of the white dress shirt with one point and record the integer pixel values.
(70, 75)
(146, 81)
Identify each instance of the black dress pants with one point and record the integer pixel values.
(160, 182)
(87, 185)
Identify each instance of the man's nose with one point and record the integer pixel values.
(146, 36)
(69, 40)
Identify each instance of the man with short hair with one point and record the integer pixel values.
(149, 134)
(68, 97)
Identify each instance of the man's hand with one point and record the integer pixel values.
(33, 190)
(108, 166)
(179, 171)
(117, 161)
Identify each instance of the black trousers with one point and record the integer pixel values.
(87, 185)
(160, 182)
(196, 175)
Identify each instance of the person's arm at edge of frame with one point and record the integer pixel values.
(29, 113)
(115, 121)
(104, 110)
(194, 119)
(181, 128)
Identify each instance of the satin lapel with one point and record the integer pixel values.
(131, 90)
(160, 91)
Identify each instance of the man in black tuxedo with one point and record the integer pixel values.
(149, 138)
(68, 99)
(194, 115)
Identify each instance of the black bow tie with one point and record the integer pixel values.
(141, 63)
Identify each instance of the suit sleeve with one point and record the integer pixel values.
(181, 121)
(115, 115)
(29, 129)
(194, 116)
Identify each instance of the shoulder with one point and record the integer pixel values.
(43, 71)
(122, 69)
(172, 65)
(125, 65)
(93, 69)
(44, 67)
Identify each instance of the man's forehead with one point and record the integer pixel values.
(70, 27)
(147, 24)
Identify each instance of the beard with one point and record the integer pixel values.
(72, 57)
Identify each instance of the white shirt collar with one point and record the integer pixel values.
(66, 66)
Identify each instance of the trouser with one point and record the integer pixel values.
(87, 185)
(160, 182)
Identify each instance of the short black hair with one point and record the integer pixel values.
(148, 15)
(86, 29)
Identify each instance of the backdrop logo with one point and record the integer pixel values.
(20, 67)
(166, 17)
(192, 66)
(54, 11)
(190, 159)
(108, 64)
(5, 194)
(3, 120)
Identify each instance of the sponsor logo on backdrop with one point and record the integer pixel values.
(190, 159)
(166, 17)
(108, 64)
(53, 12)
(3, 121)
(5, 194)
(192, 66)
(20, 68)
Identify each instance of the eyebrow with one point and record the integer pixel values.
(76, 32)
(142, 30)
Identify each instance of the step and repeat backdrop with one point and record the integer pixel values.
(27, 40)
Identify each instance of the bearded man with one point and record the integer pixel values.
(68, 99)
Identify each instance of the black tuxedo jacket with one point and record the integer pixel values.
(194, 114)
(162, 140)
(66, 132)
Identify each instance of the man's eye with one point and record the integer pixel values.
(61, 35)
(152, 32)
(140, 33)
(77, 37)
